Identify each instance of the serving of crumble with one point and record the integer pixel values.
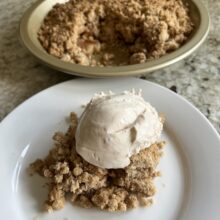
(71, 178)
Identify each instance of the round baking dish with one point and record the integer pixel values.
(33, 17)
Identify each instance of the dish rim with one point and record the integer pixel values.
(128, 70)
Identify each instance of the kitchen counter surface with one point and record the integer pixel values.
(197, 78)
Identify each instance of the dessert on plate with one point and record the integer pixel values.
(108, 157)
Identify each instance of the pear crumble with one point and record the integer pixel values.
(115, 32)
(70, 177)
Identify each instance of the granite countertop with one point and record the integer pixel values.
(197, 78)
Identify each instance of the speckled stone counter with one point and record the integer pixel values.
(197, 78)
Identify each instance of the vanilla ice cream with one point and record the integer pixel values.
(113, 127)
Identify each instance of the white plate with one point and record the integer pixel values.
(188, 189)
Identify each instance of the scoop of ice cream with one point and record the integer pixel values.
(113, 127)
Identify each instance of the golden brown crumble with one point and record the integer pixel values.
(88, 185)
(114, 32)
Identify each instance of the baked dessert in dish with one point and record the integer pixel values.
(115, 32)
(107, 158)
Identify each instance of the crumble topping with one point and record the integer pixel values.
(114, 32)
